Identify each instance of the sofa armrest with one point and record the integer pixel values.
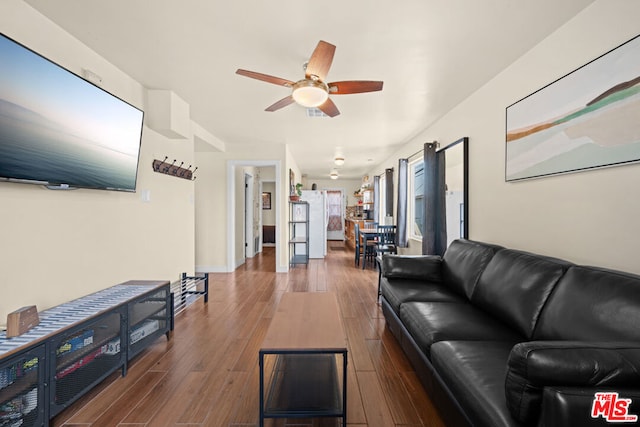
(537, 364)
(579, 406)
(421, 267)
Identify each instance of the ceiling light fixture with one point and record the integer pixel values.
(310, 93)
(339, 161)
(334, 174)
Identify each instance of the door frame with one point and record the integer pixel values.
(282, 266)
(343, 207)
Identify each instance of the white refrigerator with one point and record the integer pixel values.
(318, 218)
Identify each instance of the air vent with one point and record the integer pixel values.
(314, 112)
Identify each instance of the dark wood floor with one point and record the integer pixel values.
(207, 374)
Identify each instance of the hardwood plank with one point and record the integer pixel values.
(184, 393)
(358, 346)
(400, 360)
(246, 410)
(420, 400)
(122, 404)
(220, 415)
(378, 414)
(400, 405)
(248, 359)
(210, 395)
(355, 408)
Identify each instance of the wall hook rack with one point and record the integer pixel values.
(162, 166)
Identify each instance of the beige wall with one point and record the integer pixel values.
(60, 245)
(212, 198)
(588, 217)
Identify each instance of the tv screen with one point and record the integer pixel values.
(61, 130)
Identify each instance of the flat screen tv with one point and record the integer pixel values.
(60, 130)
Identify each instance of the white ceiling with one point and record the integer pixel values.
(431, 55)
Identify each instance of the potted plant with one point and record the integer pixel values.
(296, 197)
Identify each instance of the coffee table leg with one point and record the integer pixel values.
(344, 389)
(261, 362)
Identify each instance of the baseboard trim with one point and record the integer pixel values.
(211, 269)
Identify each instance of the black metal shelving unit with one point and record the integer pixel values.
(298, 233)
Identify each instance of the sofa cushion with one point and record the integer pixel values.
(398, 291)
(592, 304)
(463, 262)
(419, 267)
(475, 371)
(534, 365)
(515, 286)
(430, 322)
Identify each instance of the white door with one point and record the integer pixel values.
(335, 210)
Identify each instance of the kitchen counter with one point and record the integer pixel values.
(349, 229)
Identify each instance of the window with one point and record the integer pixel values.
(416, 199)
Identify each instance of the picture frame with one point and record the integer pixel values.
(266, 200)
(584, 120)
(292, 183)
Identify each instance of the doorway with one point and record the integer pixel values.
(235, 202)
(249, 247)
(335, 214)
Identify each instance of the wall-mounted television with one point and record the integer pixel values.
(60, 130)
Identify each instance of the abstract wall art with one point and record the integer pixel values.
(589, 118)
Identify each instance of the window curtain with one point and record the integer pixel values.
(334, 206)
(388, 183)
(434, 236)
(403, 170)
(376, 198)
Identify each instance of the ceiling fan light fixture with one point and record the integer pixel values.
(310, 93)
(339, 161)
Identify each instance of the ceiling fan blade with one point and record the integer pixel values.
(280, 104)
(329, 108)
(320, 60)
(265, 77)
(354, 86)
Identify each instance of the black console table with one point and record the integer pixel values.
(76, 346)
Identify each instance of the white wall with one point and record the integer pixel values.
(59, 245)
(588, 217)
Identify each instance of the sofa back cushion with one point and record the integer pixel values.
(515, 286)
(592, 304)
(463, 263)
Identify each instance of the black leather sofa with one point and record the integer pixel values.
(501, 337)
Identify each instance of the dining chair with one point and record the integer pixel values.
(356, 233)
(386, 244)
(368, 244)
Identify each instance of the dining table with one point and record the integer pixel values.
(368, 234)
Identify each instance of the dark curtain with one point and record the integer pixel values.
(388, 184)
(441, 208)
(434, 235)
(376, 198)
(401, 217)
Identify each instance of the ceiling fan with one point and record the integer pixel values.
(313, 91)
